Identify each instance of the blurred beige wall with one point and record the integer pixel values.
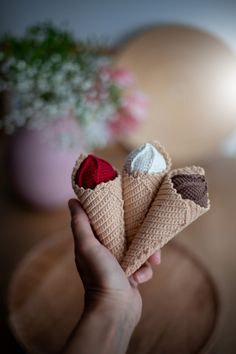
(113, 20)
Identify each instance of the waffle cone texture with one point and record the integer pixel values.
(168, 215)
(104, 207)
(139, 190)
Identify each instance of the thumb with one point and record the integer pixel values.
(89, 254)
(97, 267)
(83, 234)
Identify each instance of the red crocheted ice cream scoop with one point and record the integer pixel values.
(94, 171)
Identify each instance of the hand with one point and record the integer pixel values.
(113, 303)
(105, 283)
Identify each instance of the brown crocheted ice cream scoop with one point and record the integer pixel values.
(192, 187)
(181, 199)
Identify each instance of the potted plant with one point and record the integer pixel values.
(60, 97)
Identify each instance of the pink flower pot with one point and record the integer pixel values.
(40, 166)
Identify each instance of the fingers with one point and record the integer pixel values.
(97, 267)
(155, 259)
(81, 228)
(85, 239)
(143, 274)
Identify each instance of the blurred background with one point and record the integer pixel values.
(106, 77)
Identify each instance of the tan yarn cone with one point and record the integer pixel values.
(169, 214)
(104, 207)
(139, 190)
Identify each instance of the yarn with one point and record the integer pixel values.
(94, 171)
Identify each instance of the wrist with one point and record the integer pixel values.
(116, 309)
(118, 315)
(100, 322)
(101, 330)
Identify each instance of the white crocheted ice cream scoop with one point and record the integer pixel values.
(145, 159)
(142, 175)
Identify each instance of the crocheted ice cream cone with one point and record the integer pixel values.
(142, 174)
(102, 202)
(181, 199)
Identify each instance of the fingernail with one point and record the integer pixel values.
(139, 276)
(158, 258)
(133, 281)
(73, 205)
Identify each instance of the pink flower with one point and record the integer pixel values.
(122, 122)
(133, 110)
(120, 77)
(136, 104)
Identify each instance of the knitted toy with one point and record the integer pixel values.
(136, 216)
(98, 188)
(141, 178)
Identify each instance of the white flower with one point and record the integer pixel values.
(71, 88)
(24, 85)
(21, 65)
(42, 84)
(37, 104)
(56, 58)
(98, 132)
(31, 72)
(52, 110)
(86, 85)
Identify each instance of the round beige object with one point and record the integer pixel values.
(190, 79)
(46, 300)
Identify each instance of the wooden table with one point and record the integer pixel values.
(212, 238)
